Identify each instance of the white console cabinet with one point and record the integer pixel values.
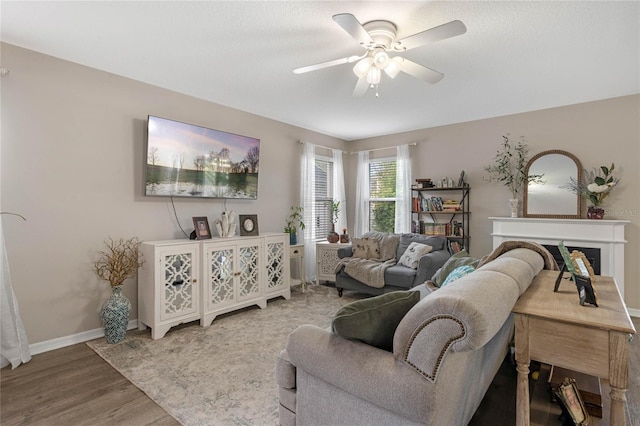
(183, 281)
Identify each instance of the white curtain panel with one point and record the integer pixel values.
(403, 190)
(14, 347)
(361, 224)
(338, 189)
(307, 195)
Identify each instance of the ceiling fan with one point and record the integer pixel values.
(378, 38)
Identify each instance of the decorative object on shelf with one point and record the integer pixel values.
(461, 179)
(248, 225)
(202, 230)
(333, 236)
(595, 186)
(120, 261)
(509, 168)
(344, 237)
(294, 221)
(514, 203)
(226, 225)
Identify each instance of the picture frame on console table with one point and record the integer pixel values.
(202, 230)
(581, 264)
(568, 265)
(248, 225)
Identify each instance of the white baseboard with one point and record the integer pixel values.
(85, 336)
(61, 342)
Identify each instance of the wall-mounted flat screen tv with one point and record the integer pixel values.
(184, 160)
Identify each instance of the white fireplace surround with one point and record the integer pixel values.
(606, 235)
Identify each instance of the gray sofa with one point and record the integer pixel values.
(446, 352)
(397, 277)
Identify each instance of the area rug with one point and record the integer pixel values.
(223, 374)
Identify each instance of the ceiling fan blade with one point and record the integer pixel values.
(418, 71)
(441, 32)
(350, 24)
(327, 64)
(361, 87)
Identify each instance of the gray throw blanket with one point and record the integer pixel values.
(367, 271)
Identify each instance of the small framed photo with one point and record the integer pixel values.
(201, 225)
(572, 403)
(585, 290)
(582, 265)
(248, 224)
(568, 265)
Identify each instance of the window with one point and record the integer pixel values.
(323, 196)
(382, 194)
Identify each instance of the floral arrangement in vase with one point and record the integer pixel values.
(596, 185)
(120, 261)
(509, 168)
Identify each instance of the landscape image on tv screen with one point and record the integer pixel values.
(184, 160)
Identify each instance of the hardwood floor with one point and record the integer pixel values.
(74, 386)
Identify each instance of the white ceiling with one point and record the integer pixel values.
(515, 57)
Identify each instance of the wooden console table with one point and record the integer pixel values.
(555, 329)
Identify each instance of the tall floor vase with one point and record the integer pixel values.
(115, 316)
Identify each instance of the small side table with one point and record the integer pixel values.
(327, 259)
(554, 329)
(297, 252)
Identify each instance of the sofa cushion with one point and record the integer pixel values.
(406, 239)
(459, 272)
(365, 248)
(400, 276)
(374, 320)
(459, 259)
(411, 256)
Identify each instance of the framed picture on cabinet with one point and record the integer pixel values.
(202, 230)
(248, 225)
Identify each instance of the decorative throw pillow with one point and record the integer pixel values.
(365, 248)
(374, 320)
(459, 259)
(459, 272)
(411, 256)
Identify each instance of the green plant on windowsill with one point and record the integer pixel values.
(334, 206)
(294, 221)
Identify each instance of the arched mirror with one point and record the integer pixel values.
(551, 198)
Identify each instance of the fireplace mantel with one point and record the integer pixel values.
(607, 235)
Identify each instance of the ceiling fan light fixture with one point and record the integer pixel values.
(373, 76)
(393, 69)
(362, 68)
(381, 59)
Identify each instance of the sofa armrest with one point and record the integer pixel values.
(367, 372)
(345, 252)
(429, 264)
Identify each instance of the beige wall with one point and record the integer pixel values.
(598, 133)
(72, 163)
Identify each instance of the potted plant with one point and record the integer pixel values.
(509, 168)
(294, 221)
(118, 262)
(334, 207)
(596, 185)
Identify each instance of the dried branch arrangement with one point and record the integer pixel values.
(120, 261)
